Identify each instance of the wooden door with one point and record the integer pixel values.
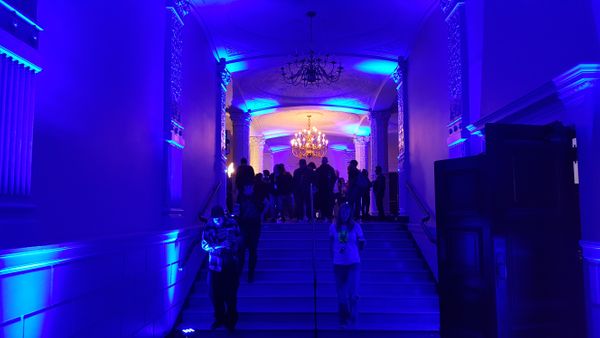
(464, 249)
(536, 230)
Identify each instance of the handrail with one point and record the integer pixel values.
(314, 265)
(210, 198)
(426, 210)
(193, 245)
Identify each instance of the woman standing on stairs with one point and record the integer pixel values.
(346, 240)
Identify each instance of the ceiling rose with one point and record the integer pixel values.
(311, 69)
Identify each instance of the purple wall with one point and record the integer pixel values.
(428, 107)
(198, 108)
(98, 176)
(98, 137)
(528, 45)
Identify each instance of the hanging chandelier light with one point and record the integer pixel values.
(311, 69)
(309, 142)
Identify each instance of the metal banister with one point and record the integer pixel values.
(428, 213)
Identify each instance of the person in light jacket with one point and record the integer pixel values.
(346, 241)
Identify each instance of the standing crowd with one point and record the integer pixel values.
(309, 193)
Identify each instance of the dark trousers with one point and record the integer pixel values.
(366, 204)
(354, 201)
(303, 205)
(223, 286)
(250, 243)
(325, 204)
(379, 203)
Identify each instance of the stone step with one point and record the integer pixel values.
(295, 235)
(329, 320)
(324, 304)
(307, 244)
(367, 254)
(322, 333)
(304, 275)
(325, 289)
(391, 264)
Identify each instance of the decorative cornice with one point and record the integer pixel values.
(449, 6)
(224, 74)
(399, 74)
(577, 79)
(20, 60)
(571, 84)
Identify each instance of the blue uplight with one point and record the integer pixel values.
(277, 149)
(172, 250)
(269, 134)
(235, 67)
(457, 142)
(381, 67)
(257, 104)
(262, 111)
(363, 131)
(339, 147)
(346, 102)
(357, 130)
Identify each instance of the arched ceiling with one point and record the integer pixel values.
(257, 37)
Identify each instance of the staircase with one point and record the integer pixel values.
(398, 293)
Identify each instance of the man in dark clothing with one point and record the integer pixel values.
(301, 185)
(366, 195)
(221, 239)
(379, 191)
(244, 176)
(326, 179)
(251, 206)
(354, 191)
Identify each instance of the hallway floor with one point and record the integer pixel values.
(398, 293)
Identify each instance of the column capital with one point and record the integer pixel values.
(399, 74)
(258, 140)
(239, 116)
(361, 140)
(448, 6)
(224, 74)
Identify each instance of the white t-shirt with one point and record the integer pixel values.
(345, 244)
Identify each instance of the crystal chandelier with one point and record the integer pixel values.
(311, 69)
(309, 142)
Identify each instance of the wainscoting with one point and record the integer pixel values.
(118, 287)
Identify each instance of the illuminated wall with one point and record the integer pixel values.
(99, 257)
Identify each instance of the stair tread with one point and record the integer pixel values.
(397, 291)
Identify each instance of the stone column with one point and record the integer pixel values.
(400, 76)
(257, 147)
(360, 151)
(458, 89)
(221, 148)
(379, 141)
(268, 160)
(241, 133)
